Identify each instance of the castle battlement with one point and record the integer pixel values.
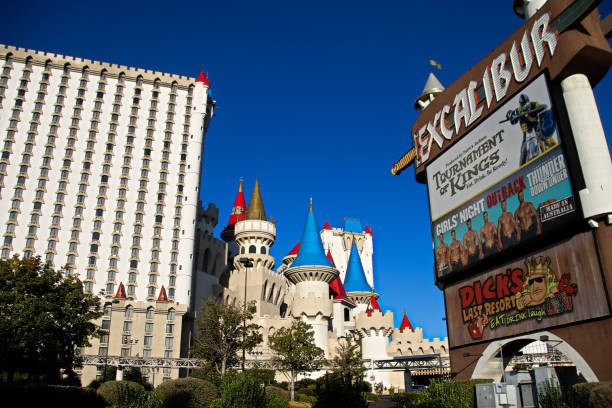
(96, 67)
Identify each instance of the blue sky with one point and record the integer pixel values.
(316, 98)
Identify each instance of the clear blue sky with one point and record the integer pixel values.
(314, 97)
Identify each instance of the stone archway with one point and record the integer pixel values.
(489, 364)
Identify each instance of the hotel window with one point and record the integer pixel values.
(169, 342)
(108, 309)
(169, 328)
(127, 326)
(171, 314)
(150, 313)
(148, 340)
(129, 312)
(149, 326)
(110, 288)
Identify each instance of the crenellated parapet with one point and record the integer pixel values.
(374, 323)
(411, 342)
(311, 303)
(96, 67)
(249, 232)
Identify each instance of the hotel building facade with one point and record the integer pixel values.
(100, 170)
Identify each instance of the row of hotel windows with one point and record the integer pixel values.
(71, 257)
(126, 339)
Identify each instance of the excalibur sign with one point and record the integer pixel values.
(490, 83)
(496, 79)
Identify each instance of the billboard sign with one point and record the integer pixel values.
(503, 183)
(556, 286)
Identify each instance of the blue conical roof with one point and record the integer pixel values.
(311, 248)
(355, 280)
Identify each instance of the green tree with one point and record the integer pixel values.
(295, 352)
(348, 362)
(44, 319)
(223, 330)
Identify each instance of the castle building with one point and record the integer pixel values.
(331, 293)
(100, 173)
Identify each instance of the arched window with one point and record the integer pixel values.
(150, 313)
(252, 249)
(171, 314)
(263, 250)
(206, 260)
(129, 312)
(108, 310)
(421, 350)
(263, 291)
(242, 250)
(277, 297)
(271, 295)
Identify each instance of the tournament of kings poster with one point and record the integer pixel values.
(505, 182)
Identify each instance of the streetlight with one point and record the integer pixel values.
(247, 263)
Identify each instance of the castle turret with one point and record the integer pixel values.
(432, 88)
(255, 234)
(355, 282)
(311, 273)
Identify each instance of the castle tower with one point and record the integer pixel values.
(374, 328)
(311, 273)
(255, 234)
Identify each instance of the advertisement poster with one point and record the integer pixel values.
(505, 182)
(552, 287)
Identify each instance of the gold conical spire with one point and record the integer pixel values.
(240, 187)
(255, 210)
(310, 209)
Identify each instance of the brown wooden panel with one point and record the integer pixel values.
(552, 287)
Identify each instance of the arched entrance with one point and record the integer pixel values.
(490, 363)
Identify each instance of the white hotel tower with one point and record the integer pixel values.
(100, 170)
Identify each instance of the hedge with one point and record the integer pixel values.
(187, 393)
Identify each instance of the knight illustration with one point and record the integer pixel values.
(538, 126)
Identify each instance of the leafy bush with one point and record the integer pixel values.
(601, 395)
(187, 393)
(333, 390)
(41, 395)
(209, 373)
(263, 375)
(408, 399)
(441, 394)
(370, 396)
(274, 390)
(550, 396)
(276, 401)
(306, 398)
(110, 391)
(243, 391)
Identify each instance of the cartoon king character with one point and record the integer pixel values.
(539, 284)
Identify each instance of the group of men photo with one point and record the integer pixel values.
(510, 229)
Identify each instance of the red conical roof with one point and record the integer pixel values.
(405, 323)
(373, 306)
(120, 292)
(295, 250)
(162, 295)
(238, 211)
(326, 226)
(203, 78)
(368, 230)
